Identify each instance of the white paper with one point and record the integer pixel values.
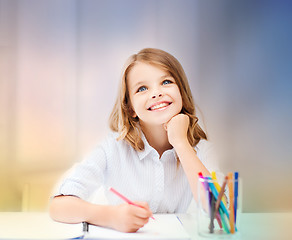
(165, 226)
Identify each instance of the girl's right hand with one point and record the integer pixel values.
(129, 218)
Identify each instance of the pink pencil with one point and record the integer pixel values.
(125, 199)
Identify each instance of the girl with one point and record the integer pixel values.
(153, 155)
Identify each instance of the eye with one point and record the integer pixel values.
(166, 82)
(142, 89)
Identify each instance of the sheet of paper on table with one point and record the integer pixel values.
(165, 226)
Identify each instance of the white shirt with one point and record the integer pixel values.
(140, 176)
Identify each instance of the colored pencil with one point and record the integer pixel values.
(235, 194)
(231, 205)
(126, 199)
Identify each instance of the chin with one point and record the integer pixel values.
(158, 119)
(162, 121)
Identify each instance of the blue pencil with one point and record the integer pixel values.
(235, 194)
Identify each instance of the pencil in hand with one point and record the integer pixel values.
(126, 199)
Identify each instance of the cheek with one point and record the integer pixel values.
(179, 105)
(178, 98)
(137, 104)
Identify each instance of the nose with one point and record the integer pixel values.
(157, 95)
(156, 91)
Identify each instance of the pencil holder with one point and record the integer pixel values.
(219, 205)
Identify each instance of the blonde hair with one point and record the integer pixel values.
(122, 120)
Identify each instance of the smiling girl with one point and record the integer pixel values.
(153, 155)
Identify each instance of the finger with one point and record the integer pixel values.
(142, 204)
(135, 222)
(135, 227)
(143, 213)
(140, 222)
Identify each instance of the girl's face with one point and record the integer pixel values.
(154, 95)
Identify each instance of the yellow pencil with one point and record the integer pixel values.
(217, 186)
(231, 205)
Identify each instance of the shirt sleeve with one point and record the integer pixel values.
(85, 178)
(208, 156)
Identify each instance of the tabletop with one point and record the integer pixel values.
(252, 226)
(38, 225)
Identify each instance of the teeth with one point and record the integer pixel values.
(161, 105)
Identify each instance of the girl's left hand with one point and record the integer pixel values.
(177, 129)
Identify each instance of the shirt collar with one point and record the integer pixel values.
(150, 150)
(147, 148)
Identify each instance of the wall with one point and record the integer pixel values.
(60, 63)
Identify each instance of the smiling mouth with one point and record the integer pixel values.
(159, 106)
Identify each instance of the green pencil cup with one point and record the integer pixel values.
(219, 205)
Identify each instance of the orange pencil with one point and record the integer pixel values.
(231, 205)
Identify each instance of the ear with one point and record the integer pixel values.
(132, 113)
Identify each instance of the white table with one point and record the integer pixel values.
(252, 226)
(31, 225)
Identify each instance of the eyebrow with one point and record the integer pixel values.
(162, 77)
(166, 76)
(138, 84)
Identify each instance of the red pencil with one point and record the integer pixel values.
(125, 199)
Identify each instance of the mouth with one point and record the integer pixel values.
(159, 106)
